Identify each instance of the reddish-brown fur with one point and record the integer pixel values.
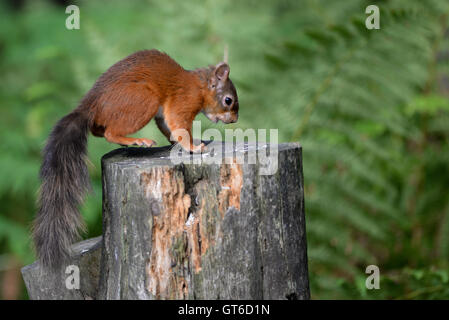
(131, 93)
(147, 84)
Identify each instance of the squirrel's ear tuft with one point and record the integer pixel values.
(222, 71)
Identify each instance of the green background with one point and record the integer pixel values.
(369, 107)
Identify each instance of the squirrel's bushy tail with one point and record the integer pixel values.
(65, 182)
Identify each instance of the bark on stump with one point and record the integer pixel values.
(192, 231)
(203, 231)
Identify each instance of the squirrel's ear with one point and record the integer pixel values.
(222, 71)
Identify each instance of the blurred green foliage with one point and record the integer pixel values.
(369, 107)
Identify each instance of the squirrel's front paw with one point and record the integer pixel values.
(198, 149)
(144, 142)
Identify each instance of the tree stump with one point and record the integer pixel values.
(203, 231)
(190, 228)
(43, 284)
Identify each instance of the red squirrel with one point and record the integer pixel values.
(145, 85)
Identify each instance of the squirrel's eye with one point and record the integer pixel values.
(228, 101)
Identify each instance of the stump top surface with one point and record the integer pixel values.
(161, 155)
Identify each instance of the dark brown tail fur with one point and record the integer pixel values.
(65, 182)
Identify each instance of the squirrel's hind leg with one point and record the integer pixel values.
(128, 115)
(126, 141)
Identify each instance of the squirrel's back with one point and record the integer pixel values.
(154, 69)
(149, 66)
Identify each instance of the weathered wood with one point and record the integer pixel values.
(43, 284)
(191, 231)
(203, 231)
